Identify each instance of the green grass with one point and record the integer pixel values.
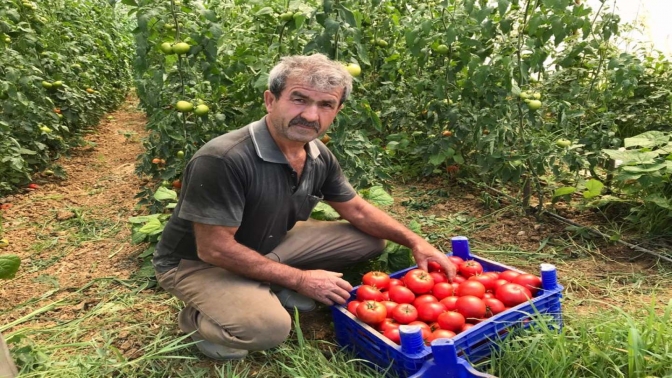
(607, 345)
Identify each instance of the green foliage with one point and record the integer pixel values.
(645, 175)
(615, 344)
(50, 53)
(9, 265)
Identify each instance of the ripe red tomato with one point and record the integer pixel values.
(419, 281)
(438, 277)
(434, 326)
(371, 312)
(451, 320)
(470, 268)
(387, 324)
(456, 260)
(396, 282)
(393, 335)
(470, 307)
(384, 296)
(487, 280)
(493, 306)
(498, 282)
(352, 307)
(488, 294)
(401, 294)
(434, 266)
(467, 326)
(442, 290)
(458, 279)
(33, 186)
(471, 287)
(450, 302)
(389, 306)
(508, 275)
(405, 313)
(512, 294)
(381, 280)
(424, 298)
(429, 312)
(368, 293)
(440, 334)
(530, 281)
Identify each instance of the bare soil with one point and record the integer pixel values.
(73, 231)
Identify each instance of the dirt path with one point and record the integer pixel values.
(69, 232)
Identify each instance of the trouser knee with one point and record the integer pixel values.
(266, 331)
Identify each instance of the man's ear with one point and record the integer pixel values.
(269, 99)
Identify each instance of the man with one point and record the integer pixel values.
(237, 250)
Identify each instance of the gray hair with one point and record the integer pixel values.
(315, 70)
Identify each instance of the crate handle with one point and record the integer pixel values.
(460, 247)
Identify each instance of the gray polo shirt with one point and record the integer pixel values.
(242, 179)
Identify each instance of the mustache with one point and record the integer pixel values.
(304, 122)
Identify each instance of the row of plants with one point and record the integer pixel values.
(528, 93)
(63, 64)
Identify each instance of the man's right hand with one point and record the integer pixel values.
(324, 286)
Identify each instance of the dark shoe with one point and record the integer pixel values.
(208, 348)
(290, 299)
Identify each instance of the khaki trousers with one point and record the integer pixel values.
(241, 313)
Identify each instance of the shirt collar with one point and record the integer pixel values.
(266, 147)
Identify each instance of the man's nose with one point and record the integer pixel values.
(310, 113)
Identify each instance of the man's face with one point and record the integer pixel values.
(301, 113)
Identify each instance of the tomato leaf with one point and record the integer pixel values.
(163, 194)
(378, 196)
(9, 265)
(565, 190)
(324, 212)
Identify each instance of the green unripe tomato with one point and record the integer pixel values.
(166, 48)
(534, 104)
(201, 110)
(287, 16)
(563, 143)
(184, 106)
(181, 48)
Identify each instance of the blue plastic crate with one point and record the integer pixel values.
(472, 345)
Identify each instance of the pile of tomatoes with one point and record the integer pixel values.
(442, 309)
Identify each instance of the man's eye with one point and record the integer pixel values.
(299, 100)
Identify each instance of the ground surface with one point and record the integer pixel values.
(73, 238)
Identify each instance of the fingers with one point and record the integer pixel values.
(345, 285)
(422, 264)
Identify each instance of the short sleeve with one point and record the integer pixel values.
(212, 192)
(336, 187)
